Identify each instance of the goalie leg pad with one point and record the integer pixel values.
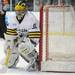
(25, 48)
(34, 63)
(12, 55)
(11, 59)
(28, 52)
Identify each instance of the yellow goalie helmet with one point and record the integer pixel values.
(21, 6)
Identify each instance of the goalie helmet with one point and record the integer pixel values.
(21, 8)
(21, 5)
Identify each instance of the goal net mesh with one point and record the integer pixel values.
(58, 33)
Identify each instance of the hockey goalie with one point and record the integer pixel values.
(22, 36)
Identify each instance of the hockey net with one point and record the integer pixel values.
(58, 38)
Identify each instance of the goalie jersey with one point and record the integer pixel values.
(29, 27)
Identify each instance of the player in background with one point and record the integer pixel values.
(2, 24)
(3, 10)
(22, 37)
(3, 27)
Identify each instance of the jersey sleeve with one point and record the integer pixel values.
(11, 25)
(34, 32)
